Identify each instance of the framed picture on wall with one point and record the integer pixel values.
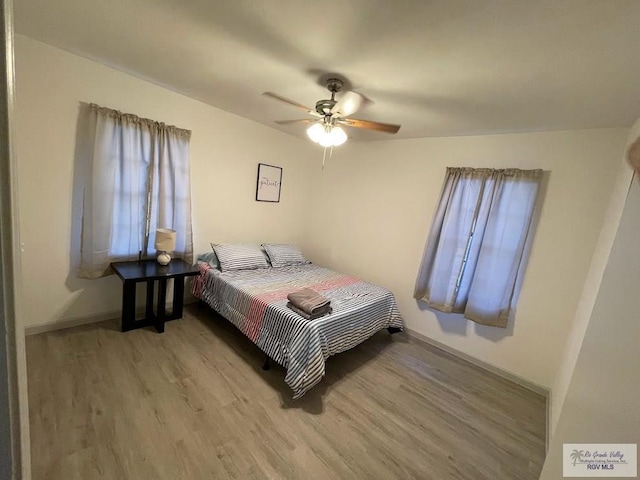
(269, 183)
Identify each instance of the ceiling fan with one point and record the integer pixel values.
(331, 114)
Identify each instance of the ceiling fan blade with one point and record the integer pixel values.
(300, 120)
(275, 96)
(369, 125)
(348, 104)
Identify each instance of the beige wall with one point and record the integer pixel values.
(225, 152)
(589, 292)
(593, 282)
(603, 399)
(373, 207)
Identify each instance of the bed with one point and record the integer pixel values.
(255, 302)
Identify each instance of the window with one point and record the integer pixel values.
(473, 261)
(137, 180)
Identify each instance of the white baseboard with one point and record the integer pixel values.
(523, 382)
(517, 379)
(70, 322)
(547, 440)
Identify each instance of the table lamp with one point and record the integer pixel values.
(165, 243)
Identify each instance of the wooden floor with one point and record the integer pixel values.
(193, 403)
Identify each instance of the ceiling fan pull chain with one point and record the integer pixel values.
(324, 154)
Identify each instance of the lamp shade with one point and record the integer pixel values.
(338, 137)
(165, 240)
(326, 140)
(316, 132)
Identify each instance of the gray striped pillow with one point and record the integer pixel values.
(282, 255)
(239, 256)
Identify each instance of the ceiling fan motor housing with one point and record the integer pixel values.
(323, 107)
(334, 85)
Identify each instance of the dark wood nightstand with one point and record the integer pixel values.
(149, 271)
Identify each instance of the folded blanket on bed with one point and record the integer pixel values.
(317, 313)
(308, 300)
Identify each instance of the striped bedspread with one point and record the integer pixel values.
(255, 302)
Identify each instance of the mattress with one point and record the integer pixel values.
(255, 302)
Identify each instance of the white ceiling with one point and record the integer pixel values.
(439, 68)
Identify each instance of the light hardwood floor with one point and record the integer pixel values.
(193, 403)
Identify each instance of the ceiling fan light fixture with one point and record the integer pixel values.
(325, 141)
(327, 135)
(316, 132)
(338, 137)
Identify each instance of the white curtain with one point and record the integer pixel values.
(171, 191)
(473, 259)
(137, 179)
